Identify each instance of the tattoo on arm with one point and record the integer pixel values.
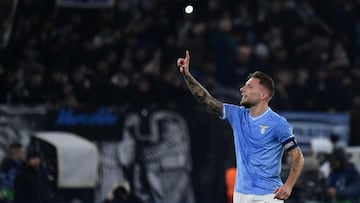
(296, 164)
(202, 95)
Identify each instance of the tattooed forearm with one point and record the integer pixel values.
(296, 165)
(202, 95)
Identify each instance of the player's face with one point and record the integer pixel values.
(252, 93)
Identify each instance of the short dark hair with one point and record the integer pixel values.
(265, 80)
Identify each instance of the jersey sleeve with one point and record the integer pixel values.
(286, 136)
(230, 111)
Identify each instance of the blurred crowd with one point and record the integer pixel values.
(126, 55)
(330, 174)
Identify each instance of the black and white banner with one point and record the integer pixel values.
(153, 144)
(17, 124)
(86, 3)
(156, 146)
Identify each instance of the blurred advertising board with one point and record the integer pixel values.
(92, 123)
(308, 126)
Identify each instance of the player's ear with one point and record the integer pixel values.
(265, 94)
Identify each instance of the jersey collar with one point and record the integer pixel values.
(259, 116)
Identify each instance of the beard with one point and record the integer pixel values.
(246, 104)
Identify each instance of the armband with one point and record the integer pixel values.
(290, 144)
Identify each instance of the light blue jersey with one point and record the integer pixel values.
(259, 145)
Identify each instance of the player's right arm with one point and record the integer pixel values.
(197, 90)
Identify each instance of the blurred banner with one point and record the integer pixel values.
(92, 123)
(18, 123)
(154, 144)
(161, 159)
(85, 3)
(167, 156)
(308, 126)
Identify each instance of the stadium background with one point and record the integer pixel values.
(116, 60)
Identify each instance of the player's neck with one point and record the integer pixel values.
(258, 109)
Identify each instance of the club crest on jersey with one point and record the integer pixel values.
(263, 129)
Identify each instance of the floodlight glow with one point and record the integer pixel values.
(189, 9)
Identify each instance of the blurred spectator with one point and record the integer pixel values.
(196, 41)
(34, 92)
(319, 90)
(223, 46)
(83, 85)
(335, 140)
(125, 56)
(121, 85)
(8, 170)
(121, 193)
(282, 99)
(55, 85)
(239, 67)
(321, 149)
(343, 183)
(144, 88)
(30, 185)
(14, 86)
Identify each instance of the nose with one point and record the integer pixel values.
(242, 89)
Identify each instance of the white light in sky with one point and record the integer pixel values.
(189, 9)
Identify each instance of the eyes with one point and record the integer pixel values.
(247, 86)
(250, 86)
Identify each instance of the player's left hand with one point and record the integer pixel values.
(283, 192)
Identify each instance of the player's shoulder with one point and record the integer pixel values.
(233, 107)
(277, 117)
(230, 110)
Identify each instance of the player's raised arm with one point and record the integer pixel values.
(199, 92)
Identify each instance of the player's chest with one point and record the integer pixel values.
(259, 132)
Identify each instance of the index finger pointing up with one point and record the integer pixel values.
(187, 56)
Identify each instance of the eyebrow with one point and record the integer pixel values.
(248, 83)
